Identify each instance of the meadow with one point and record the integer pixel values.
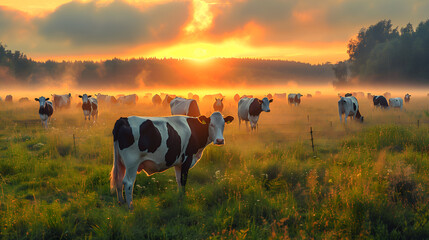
(363, 181)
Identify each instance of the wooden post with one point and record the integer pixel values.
(74, 144)
(331, 123)
(418, 123)
(308, 118)
(312, 142)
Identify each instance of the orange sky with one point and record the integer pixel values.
(306, 31)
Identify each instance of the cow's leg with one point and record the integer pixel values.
(128, 181)
(239, 121)
(184, 171)
(46, 123)
(178, 171)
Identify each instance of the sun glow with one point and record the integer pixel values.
(202, 17)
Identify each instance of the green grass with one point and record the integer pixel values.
(366, 181)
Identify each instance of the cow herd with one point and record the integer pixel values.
(155, 144)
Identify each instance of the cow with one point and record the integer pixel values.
(156, 100)
(154, 144)
(309, 95)
(350, 108)
(8, 98)
(89, 106)
(250, 108)
(24, 100)
(380, 101)
(387, 94)
(128, 99)
(294, 98)
(218, 105)
(279, 96)
(269, 96)
(237, 97)
(407, 98)
(396, 102)
(106, 99)
(183, 106)
(46, 110)
(167, 100)
(196, 97)
(61, 101)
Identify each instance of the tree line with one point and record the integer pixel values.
(152, 72)
(384, 54)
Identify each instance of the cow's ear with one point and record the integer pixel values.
(203, 119)
(36, 99)
(228, 119)
(80, 96)
(89, 95)
(271, 100)
(46, 99)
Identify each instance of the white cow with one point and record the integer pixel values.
(250, 108)
(183, 106)
(46, 110)
(89, 106)
(350, 108)
(396, 102)
(129, 99)
(154, 144)
(61, 101)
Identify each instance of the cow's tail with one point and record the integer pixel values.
(117, 169)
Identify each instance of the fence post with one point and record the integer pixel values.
(308, 118)
(418, 123)
(74, 144)
(331, 123)
(312, 142)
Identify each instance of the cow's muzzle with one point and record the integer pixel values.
(219, 141)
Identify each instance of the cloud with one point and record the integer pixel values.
(118, 22)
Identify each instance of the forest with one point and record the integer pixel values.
(153, 72)
(383, 54)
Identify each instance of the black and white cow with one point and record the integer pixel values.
(183, 106)
(154, 144)
(350, 108)
(61, 101)
(250, 108)
(46, 110)
(396, 103)
(380, 101)
(218, 104)
(89, 106)
(407, 98)
(294, 98)
(128, 99)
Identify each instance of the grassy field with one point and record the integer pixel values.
(363, 180)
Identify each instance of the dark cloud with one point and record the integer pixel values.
(14, 25)
(118, 22)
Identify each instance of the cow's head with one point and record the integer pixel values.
(85, 97)
(265, 104)
(216, 123)
(42, 101)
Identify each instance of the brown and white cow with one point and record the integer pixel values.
(46, 110)
(294, 98)
(155, 144)
(407, 98)
(218, 104)
(89, 106)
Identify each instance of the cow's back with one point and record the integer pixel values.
(243, 108)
